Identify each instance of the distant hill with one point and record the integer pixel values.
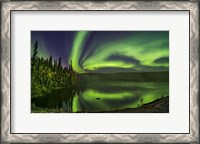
(127, 76)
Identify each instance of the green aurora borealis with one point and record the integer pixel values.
(119, 55)
(111, 51)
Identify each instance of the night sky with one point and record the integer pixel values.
(106, 51)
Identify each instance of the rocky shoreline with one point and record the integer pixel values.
(160, 105)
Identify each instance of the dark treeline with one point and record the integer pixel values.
(48, 74)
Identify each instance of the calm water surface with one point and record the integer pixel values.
(102, 94)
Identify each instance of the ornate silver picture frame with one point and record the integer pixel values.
(7, 7)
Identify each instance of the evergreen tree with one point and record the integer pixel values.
(50, 61)
(59, 62)
(48, 74)
(71, 66)
(35, 50)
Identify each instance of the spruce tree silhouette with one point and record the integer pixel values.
(35, 52)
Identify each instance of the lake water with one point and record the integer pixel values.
(99, 93)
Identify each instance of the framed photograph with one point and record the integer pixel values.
(109, 72)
